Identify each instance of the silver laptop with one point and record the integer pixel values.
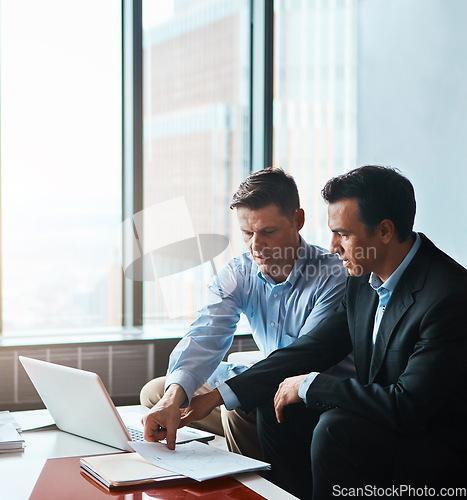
(80, 404)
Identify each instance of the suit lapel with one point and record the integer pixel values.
(395, 309)
(402, 298)
(364, 320)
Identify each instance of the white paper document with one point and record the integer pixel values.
(34, 419)
(7, 418)
(197, 460)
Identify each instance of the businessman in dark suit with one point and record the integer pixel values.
(403, 420)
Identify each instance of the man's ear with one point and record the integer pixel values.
(386, 230)
(299, 218)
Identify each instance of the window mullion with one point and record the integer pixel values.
(132, 131)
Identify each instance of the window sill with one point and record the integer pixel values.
(100, 335)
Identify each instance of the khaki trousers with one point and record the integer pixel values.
(238, 427)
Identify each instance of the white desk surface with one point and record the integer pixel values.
(19, 471)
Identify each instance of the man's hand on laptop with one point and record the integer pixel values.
(163, 419)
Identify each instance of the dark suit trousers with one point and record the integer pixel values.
(348, 451)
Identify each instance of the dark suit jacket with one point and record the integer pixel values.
(416, 378)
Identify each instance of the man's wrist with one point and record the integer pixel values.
(174, 395)
(215, 399)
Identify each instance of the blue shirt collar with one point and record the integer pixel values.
(303, 256)
(391, 282)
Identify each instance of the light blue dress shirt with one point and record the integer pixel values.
(384, 292)
(277, 314)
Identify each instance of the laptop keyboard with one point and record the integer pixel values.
(135, 434)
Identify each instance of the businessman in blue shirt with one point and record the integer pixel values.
(283, 285)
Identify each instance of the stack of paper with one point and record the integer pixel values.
(10, 439)
(7, 418)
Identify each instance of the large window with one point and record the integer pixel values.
(60, 164)
(314, 99)
(196, 106)
(316, 87)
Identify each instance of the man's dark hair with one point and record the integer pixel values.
(382, 193)
(271, 185)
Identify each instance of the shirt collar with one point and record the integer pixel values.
(391, 282)
(302, 259)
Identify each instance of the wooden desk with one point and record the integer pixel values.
(19, 471)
